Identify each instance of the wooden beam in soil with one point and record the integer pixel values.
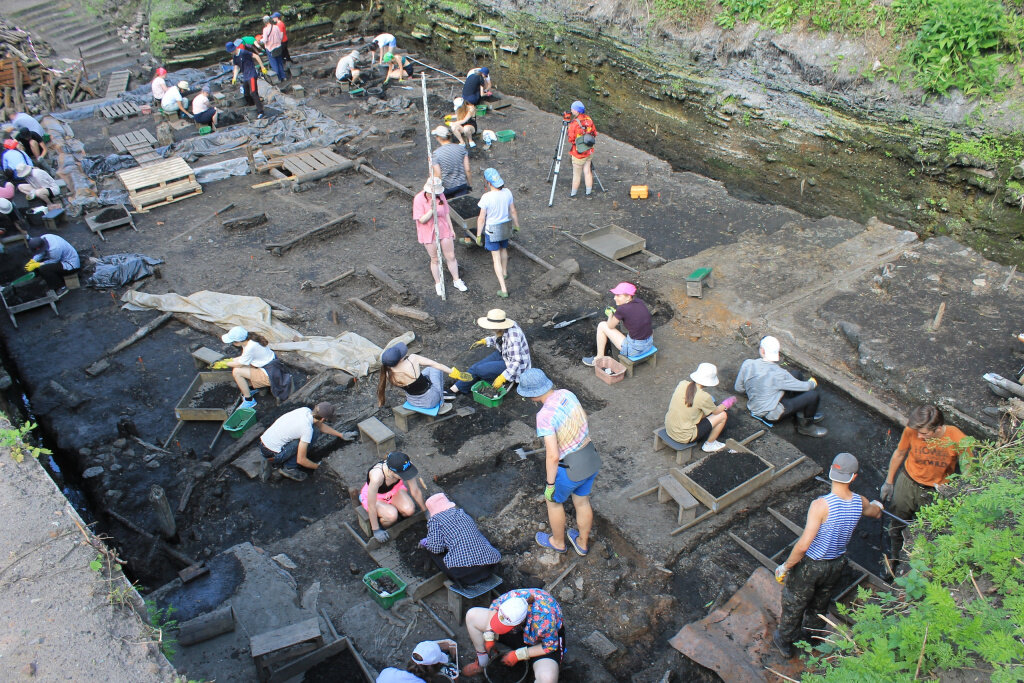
(327, 229)
(140, 333)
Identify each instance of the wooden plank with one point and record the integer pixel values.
(330, 154)
(174, 168)
(303, 664)
(286, 636)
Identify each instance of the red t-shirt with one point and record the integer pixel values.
(284, 34)
(580, 125)
(930, 462)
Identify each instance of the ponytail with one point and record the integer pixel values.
(691, 393)
(382, 384)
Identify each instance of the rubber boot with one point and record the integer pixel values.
(806, 426)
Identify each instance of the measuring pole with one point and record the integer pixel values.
(435, 69)
(433, 197)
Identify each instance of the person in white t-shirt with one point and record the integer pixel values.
(432, 660)
(250, 366)
(203, 112)
(346, 70)
(285, 444)
(497, 222)
(174, 100)
(386, 43)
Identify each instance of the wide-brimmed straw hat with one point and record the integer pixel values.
(495, 320)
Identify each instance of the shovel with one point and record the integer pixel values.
(459, 412)
(566, 323)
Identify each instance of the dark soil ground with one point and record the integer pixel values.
(721, 472)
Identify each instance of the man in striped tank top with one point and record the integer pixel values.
(819, 556)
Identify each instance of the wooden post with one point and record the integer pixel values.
(207, 626)
(252, 161)
(164, 514)
(19, 103)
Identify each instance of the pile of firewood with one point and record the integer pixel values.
(32, 80)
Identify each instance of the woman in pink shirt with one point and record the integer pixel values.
(423, 214)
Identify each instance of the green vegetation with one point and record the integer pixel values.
(160, 622)
(163, 15)
(14, 439)
(961, 604)
(987, 149)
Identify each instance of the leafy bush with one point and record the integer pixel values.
(14, 439)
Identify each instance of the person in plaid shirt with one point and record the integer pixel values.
(508, 362)
(529, 621)
(455, 543)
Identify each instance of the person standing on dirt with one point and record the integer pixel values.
(385, 43)
(508, 362)
(54, 258)
(389, 492)
(582, 136)
(271, 40)
(451, 164)
(926, 455)
(419, 377)
(256, 364)
(245, 62)
(692, 414)
(477, 85)
(285, 444)
(425, 214)
(497, 222)
(464, 125)
(529, 621)
(455, 543)
(571, 461)
(774, 393)
(635, 317)
(816, 563)
(279, 22)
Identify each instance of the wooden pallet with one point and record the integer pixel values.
(121, 110)
(313, 162)
(159, 183)
(136, 137)
(117, 83)
(143, 153)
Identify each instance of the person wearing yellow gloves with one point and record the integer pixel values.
(256, 364)
(244, 61)
(774, 393)
(420, 378)
(54, 258)
(510, 359)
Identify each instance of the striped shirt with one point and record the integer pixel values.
(564, 417)
(455, 531)
(543, 621)
(835, 533)
(514, 351)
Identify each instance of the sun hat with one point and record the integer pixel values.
(5, 206)
(458, 102)
(534, 383)
(626, 288)
(398, 463)
(770, 349)
(442, 132)
(324, 410)
(492, 176)
(438, 503)
(36, 243)
(161, 71)
(10, 143)
(844, 467)
(578, 107)
(234, 335)
(705, 375)
(509, 614)
(393, 354)
(429, 652)
(434, 186)
(182, 85)
(495, 320)
(23, 171)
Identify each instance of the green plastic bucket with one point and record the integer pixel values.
(240, 420)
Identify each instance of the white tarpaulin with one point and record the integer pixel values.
(350, 352)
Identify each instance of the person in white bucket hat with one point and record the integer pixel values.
(692, 414)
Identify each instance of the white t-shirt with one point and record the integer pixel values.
(345, 66)
(159, 87)
(255, 354)
(298, 424)
(385, 39)
(393, 675)
(201, 103)
(169, 101)
(496, 203)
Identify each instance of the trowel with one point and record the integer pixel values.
(522, 454)
(566, 323)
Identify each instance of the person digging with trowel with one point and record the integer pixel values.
(635, 317)
(389, 492)
(54, 258)
(455, 544)
(817, 561)
(527, 620)
(508, 362)
(774, 393)
(571, 462)
(286, 443)
(256, 364)
(419, 377)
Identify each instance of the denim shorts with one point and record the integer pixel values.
(494, 246)
(635, 347)
(564, 486)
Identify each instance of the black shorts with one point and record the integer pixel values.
(205, 116)
(704, 428)
(514, 640)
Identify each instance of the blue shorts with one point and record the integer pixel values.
(564, 486)
(494, 246)
(636, 347)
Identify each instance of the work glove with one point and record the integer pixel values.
(887, 491)
(729, 402)
(515, 656)
(499, 381)
(490, 640)
(609, 312)
(264, 70)
(479, 240)
(478, 342)
(780, 573)
(813, 381)
(460, 375)
(877, 504)
(233, 79)
(515, 230)
(381, 536)
(32, 265)
(549, 492)
(221, 364)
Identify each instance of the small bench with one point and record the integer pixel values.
(651, 355)
(696, 280)
(407, 410)
(669, 488)
(376, 431)
(284, 643)
(203, 357)
(53, 218)
(461, 598)
(71, 281)
(683, 451)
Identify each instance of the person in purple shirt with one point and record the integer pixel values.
(634, 316)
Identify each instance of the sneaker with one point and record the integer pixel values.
(259, 116)
(472, 144)
(444, 409)
(589, 361)
(293, 473)
(574, 196)
(248, 403)
(589, 195)
(712, 446)
(503, 295)
(437, 288)
(460, 285)
(62, 291)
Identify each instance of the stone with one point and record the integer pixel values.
(116, 467)
(128, 453)
(114, 495)
(97, 367)
(92, 472)
(548, 559)
(287, 563)
(119, 443)
(566, 594)
(851, 331)
(152, 465)
(578, 583)
(600, 645)
(150, 457)
(310, 595)
(570, 266)
(85, 452)
(250, 462)
(164, 134)
(550, 282)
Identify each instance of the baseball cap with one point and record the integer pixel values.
(398, 463)
(844, 467)
(275, 15)
(492, 176)
(485, 71)
(510, 614)
(206, 88)
(458, 102)
(23, 171)
(578, 107)
(325, 410)
(627, 288)
(441, 132)
(5, 206)
(770, 347)
(393, 354)
(230, 46)
(388, 57)
(429, 652)
(235, 334)
(36, 243)
(533, 383)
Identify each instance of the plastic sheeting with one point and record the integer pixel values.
(117, 270)
(350, 352)
(96, 167)
(140, 95)
(223, 170)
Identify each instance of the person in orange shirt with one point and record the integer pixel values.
(927, 454)
(276, 16)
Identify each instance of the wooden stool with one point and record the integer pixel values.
(204, 357)
(362, 516)
(407, 410)
(696, 280)
(461, 599)
(670, 488)
(71, 281)
(52, 218)
(287, 642)
(651, 355)
(376, 431)
(684, 451)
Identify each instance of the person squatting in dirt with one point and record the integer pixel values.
(774, 393)
(455, 544)
(389, 493)
(285, 444)
(510, 360)
(257, 365)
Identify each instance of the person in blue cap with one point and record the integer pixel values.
(582, 136)
(477, 85)
(243, 62)
(497, 222)
(285, 55)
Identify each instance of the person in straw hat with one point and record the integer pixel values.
(424, 212)
(510, 359)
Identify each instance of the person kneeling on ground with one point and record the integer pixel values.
(508, 363)
(204, 113)
(419, 377)
(692, 414)
(431, 662)
(529, 621)
(773, 393)
(816, 563)
(285, 444)
(399, 66)
(54, 258)
(347, 71)
(635, 317)
(386, 496)
(455, 543)
(256, 364)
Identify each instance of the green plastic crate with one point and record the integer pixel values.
(205, 130)
(485, 400)
(240, 420)
(384, 601)
(481, 109)
(506, 135)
